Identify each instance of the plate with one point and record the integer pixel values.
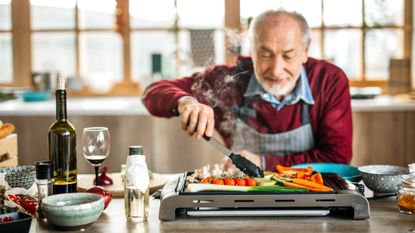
(20, 224)
(348, 172)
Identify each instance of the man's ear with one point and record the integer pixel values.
(305, 54)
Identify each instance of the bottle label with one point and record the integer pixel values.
(137, 172)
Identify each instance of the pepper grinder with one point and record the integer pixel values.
(44, 182)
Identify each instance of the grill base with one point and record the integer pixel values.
(175, 201)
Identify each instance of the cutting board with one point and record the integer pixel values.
(85, 181)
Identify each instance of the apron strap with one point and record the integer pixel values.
(305, 117)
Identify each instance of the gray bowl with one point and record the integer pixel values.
(19, 176)
(72, 210)
(382, 178)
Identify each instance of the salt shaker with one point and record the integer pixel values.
(44, 181)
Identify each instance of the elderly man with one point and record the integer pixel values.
(278, 107)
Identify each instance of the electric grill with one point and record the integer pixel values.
(176, 202)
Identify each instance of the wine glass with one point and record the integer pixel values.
(96, 146)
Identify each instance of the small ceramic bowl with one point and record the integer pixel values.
(19, 176)
(72, 210)
(382, 178)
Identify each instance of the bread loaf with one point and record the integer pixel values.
(6, 129)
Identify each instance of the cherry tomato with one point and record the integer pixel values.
(15, 199)
(240, 182)
(29, 206)
(229, 181)
(6, 219)
(218, 181)
(207, 180)
(250, 181)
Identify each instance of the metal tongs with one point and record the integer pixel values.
(245, 165)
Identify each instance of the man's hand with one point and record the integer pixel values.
(196, 118)
(254, 158)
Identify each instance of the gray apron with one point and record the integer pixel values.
(279, 144)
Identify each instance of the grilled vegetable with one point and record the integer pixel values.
(295, 182)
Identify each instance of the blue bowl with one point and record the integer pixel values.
(348, 172)
(33, 96)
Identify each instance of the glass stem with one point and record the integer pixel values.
(96, 175)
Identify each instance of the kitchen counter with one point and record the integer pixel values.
(104, 106)
(385, 217)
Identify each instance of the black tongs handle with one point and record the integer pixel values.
(245, 165)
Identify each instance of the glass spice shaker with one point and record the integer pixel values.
(406, 194)
(44, 182)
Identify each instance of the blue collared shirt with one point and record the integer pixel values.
(301, 92)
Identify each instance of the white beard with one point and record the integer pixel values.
(280, 91)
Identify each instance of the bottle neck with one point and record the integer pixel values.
(60, 104)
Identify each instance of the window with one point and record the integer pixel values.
(360, 36)
(6, 71)
(114, 44)
(161, 37)
(80, 41)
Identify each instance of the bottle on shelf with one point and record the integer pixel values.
(136, 196)
(62, 145)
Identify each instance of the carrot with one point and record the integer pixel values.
(280, 169)
(6, 129)
(311, 184)
(317, 178)
(309, 171)
(294, 185)
(301, 175)
(289, 170)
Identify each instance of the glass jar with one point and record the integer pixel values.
(406, 194)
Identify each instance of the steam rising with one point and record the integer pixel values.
(219, 95)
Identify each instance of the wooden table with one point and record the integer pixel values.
(385, 217)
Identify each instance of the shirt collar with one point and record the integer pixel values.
(302, 91)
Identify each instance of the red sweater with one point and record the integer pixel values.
(222, 87)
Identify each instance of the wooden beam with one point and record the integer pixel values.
(232, 22)
(123, 27)
(21, 43)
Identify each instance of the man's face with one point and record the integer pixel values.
(278, 54)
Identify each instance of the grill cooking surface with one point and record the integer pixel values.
(176, 202)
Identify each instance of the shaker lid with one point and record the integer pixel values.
(44, 170)
(136, 150)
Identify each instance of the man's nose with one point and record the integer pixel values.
(277, 67)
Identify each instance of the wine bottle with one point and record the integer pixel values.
(62, 145)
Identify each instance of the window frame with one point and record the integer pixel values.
(22, 48)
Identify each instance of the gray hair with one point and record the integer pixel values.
(302, 23)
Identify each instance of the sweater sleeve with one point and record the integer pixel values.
(333, 137)
(161, 98)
